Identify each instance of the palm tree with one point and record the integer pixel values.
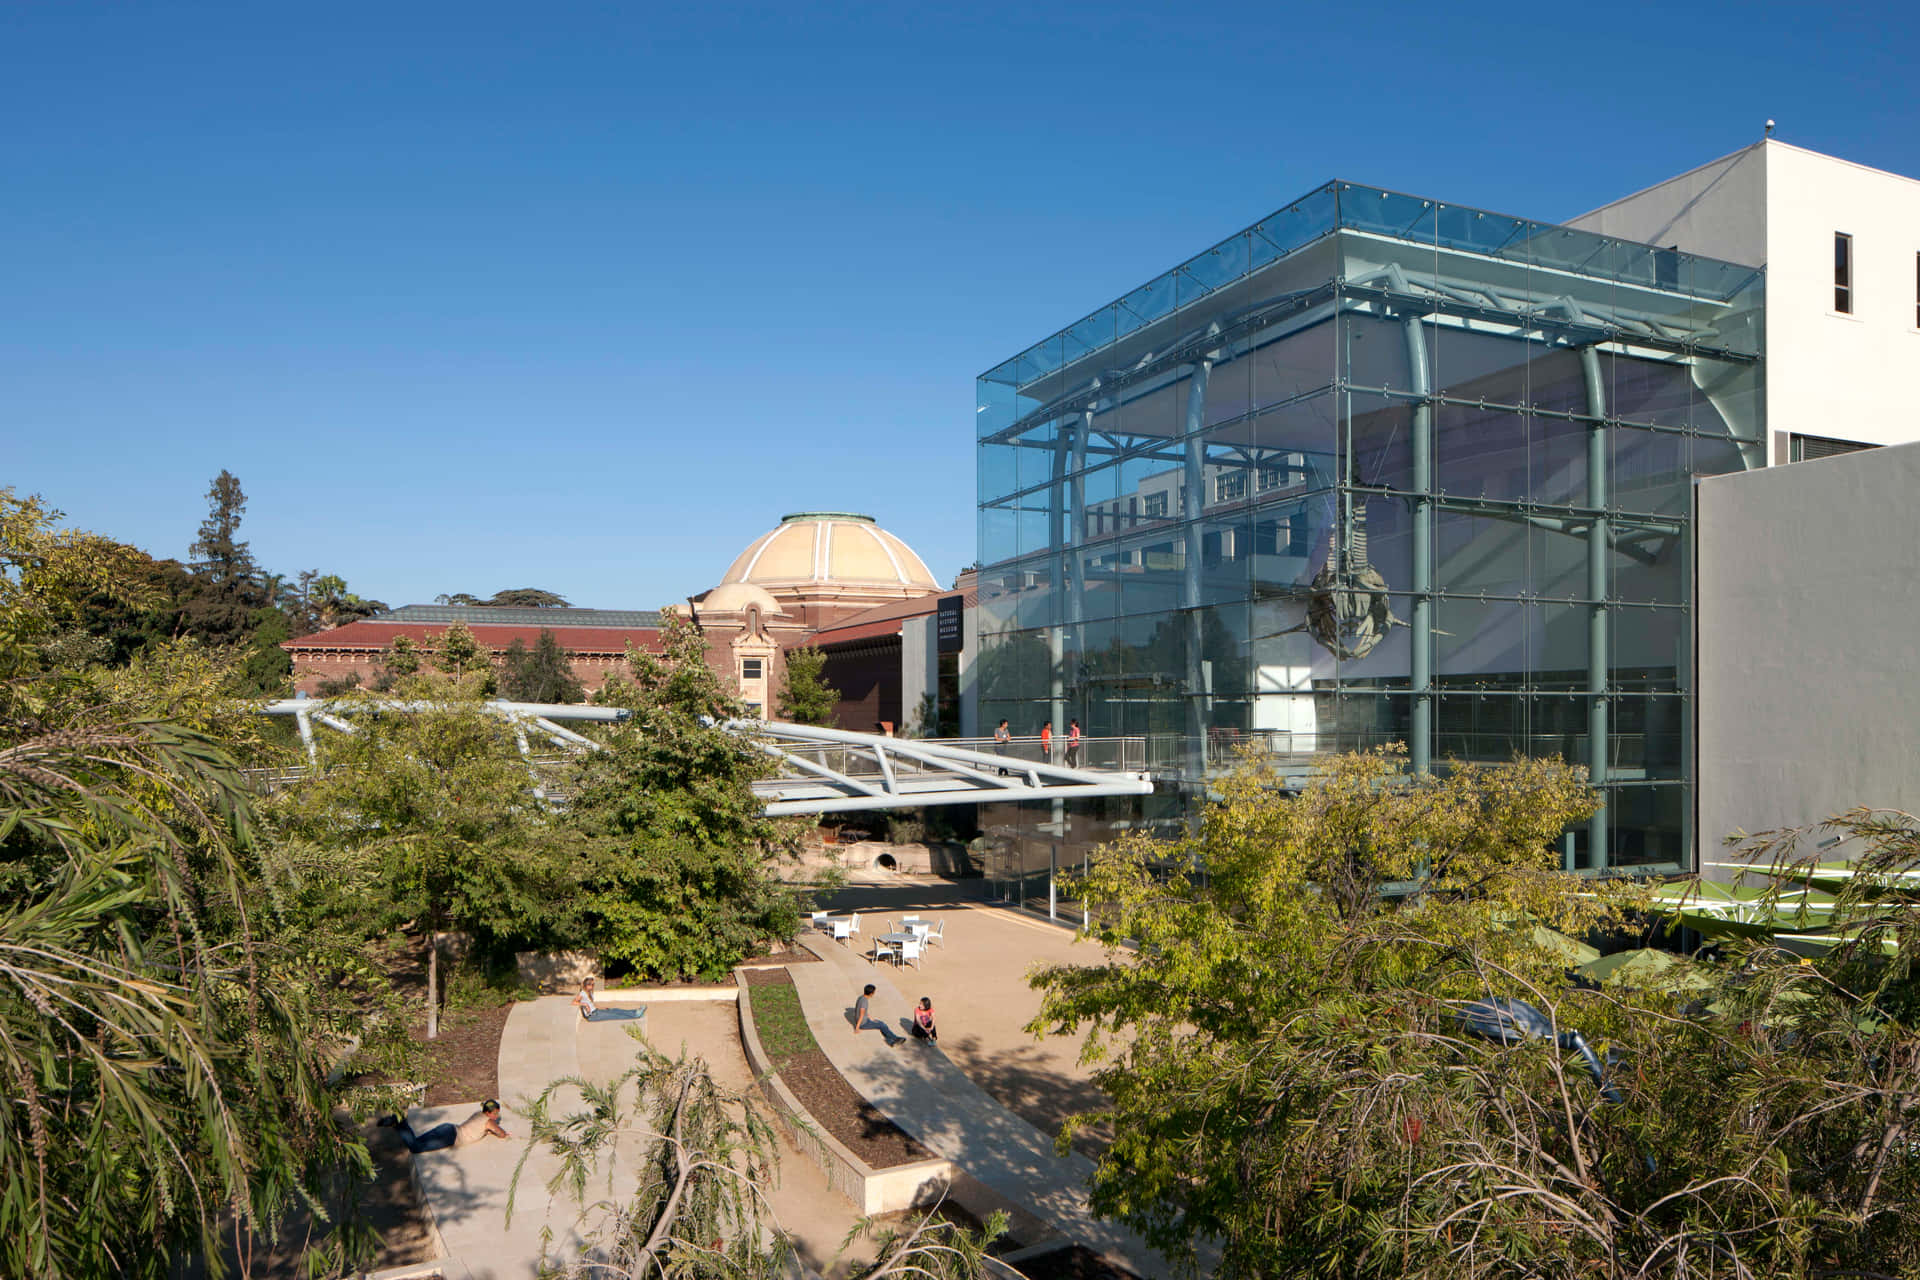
(158, 1079)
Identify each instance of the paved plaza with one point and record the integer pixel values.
(990, 1097)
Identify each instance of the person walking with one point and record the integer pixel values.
(1073, 743)
(1002, 738)
(923, 1028)
(484, 1123)
(1046, 741)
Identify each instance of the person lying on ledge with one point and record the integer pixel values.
(591, 1012)
(481, 1124)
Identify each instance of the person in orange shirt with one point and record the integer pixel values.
(1046, 741)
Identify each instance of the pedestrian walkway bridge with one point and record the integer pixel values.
(819, 770)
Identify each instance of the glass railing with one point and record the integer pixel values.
(1373, 210)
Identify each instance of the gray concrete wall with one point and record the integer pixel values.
(1809, 642)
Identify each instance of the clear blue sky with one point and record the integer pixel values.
(584, 296)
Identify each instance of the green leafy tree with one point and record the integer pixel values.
(527, 598)
(458, 598)
(805, 696)
(542, 674)
(161, 1072)
(464, 658)
(399, 660)
(678, 851)
(1296, 1083)
(436, 805)
(1270, 965)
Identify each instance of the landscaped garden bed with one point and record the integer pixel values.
(813, 1081)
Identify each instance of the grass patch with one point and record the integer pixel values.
(781, 1026)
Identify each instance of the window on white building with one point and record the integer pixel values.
(1154, 505)
(1843, 273)
(1230, 486)
(750, 668)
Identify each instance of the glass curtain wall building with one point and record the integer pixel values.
(1377, 469)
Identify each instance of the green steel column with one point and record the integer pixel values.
(1194, 488)
(1057, 540)
(1420, 381)
(1077, 524)
(1597, 552)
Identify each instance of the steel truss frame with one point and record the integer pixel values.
(905, 773)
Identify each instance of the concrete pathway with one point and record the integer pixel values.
(925, 1094)
(544, 1040)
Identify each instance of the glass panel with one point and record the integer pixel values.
(1479, 554)
(1484, 639)
(1292, 366)
(994, 406)
(1296, 440)
(1091, 334)
(998, 473)
(1226, 556)
(1287, 536)
(1650, 471)
(1490, 727)
(1645, 738)
(999, 535)
(1387, 213)
(1645, 566)
(1146, 304)
(1557, 639)
(1222, 264)
(1485, 368)
(1382, 441)
(1660, 393)
(1296, 225)
(1557, 460)
(1476, 231)
(1645, 825)
(1480, 453)
(1649, 646)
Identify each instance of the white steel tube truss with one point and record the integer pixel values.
(825, 770)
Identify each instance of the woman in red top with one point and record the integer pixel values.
(923, 1028)
(1046, 742)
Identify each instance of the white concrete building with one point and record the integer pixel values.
(1841, 245)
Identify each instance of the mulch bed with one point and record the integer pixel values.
(834, 1105)
(463, 1063)
(1072, 1263)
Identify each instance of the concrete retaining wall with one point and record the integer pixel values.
(870, 1190)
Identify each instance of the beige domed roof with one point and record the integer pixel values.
(734, 597)
(831, 548)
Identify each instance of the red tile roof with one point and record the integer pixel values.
(374, 636)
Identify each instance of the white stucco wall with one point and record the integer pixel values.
(1847, 376)
(1777, 205)
(1809, 672)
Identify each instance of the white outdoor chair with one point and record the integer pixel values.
(936, 932)
(856, 924)
(843, 929)
(910, 951)
(884, 951)
(818, 919)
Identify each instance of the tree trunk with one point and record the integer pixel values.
(433, 984)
